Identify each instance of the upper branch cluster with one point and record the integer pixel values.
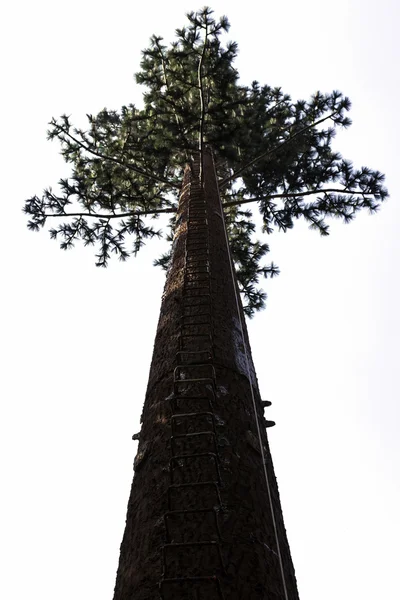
(127, 164)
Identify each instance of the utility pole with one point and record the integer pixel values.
(204, 517)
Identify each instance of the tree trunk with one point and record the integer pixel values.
(204, 518)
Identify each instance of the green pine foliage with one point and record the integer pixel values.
(269, 150)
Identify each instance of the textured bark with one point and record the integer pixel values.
(199, 448)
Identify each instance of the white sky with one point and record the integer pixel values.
(77, 341)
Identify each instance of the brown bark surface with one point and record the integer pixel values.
(199, 522)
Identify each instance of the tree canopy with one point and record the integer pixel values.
(269, 150)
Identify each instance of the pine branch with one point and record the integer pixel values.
(236, 173)
(178, 120)
(115, 160)
(295, 195)
(113, 215)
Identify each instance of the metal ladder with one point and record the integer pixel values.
(194, 502)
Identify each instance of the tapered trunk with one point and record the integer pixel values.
(204, 518)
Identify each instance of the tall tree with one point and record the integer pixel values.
(127, 169)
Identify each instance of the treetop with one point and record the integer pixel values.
(270, 151)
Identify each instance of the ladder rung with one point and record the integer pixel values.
(193, 414)
(197, 233)
(178, 396)
(186, 330)
(204, 320)
(196, 313)
(191, 352)
(194, 484)
(201, 266)
(182, 436)
(204, 300)
(201, 276)
(189, 397)
(194, 260)
(199, 269)
(199, 323)
(197, 241)
(193, 511)
(193, 335)
(183, 580)
(196, 455)
(189, 368)
(196, 285)
(180, 544)
(202, 380)
(197, 247)
(195, 544)
(190, 511)
(197, 237)
(195, 434)
(184, 336)
(194, 295)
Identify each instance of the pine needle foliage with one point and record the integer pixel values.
(269, 150)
